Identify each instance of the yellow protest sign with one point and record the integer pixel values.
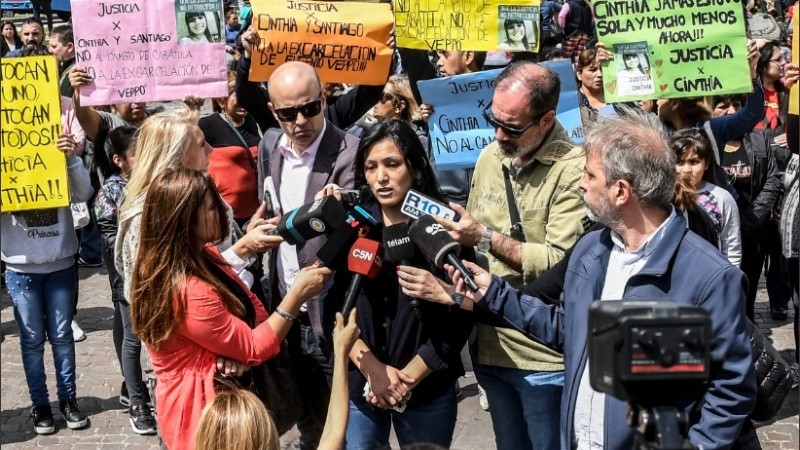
(480, 25)
(33, 172)
(794, 92)
(344, 41)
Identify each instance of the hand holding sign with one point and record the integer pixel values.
(66, 143)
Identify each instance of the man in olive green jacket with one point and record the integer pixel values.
(522, 379)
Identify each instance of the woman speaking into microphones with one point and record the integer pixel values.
(405, 366)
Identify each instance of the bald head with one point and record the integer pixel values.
(292, 76)
(296, 94)
(539, 83)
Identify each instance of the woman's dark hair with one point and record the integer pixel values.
(406, 140)
(191, 15)
(508, 23)
(585, 59)
(764, 57)
(17, 39)
(114, 142)
(693, 110)
(694, 139)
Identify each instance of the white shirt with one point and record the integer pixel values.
(590, 405)
(292, 195)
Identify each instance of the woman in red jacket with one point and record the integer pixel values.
(189, 307)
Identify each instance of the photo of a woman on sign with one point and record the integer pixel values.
(516, 36)
(633, 71)
(198, 28)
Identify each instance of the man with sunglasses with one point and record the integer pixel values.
(302, 157)
(534, 163)
(341, 110)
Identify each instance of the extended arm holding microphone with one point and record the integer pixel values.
(434, 241)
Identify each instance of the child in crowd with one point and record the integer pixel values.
(693, 151)
(116, 163)
(39, 247)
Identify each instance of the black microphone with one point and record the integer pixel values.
(357, 223)
(313, 219)
(399, 249)
(364, 260)
(436, 244)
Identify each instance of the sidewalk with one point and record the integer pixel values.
(99, 381)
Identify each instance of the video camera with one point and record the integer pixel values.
(652, 354)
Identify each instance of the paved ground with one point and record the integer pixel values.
(99, 381)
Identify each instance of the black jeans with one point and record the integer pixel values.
(312, 374)
(40, 6)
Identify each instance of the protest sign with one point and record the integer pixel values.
(33, 171)
(794, 92)
(480, 25)
(672, 48)
(344, 41)
(457, 126)
(150, 51)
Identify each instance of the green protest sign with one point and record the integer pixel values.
(672, 48)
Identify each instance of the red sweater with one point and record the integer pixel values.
(185, 366)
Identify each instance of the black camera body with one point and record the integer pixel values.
(650, 353)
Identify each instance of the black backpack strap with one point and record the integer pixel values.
(267, 145)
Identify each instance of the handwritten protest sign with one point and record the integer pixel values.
(345, 42)
(672, 49)
(458, 128)
(150, 51)
(480, 25)
(33, 172)
(794, 92)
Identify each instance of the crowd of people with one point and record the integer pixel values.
(243, 327)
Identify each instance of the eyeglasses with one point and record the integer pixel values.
(510, 130)
(386, 97)
(309, 110)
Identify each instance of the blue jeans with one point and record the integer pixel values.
(525, 406)
(433, 423)
(43, 310)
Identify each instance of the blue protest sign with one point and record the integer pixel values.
(457, 127)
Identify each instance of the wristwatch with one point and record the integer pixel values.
(485, 244)
(457, 298)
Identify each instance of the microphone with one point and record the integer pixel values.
(364, 260)
(436, 244)
(358, 224)
(311, 220)
(399, 249)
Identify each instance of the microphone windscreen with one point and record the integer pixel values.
(334, 251)
(397, 243)
(311, 220)
(434, 241)
(365, 258)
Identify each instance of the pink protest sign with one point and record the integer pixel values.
(150, 51)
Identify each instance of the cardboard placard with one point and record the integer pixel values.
(672, 49)
(150, 51)
(480, 25)
(344, 41)
(33, 171)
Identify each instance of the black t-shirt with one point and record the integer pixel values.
(737, 167)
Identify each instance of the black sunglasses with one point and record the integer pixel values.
(510, 130)
(387, 97)
(309, 110)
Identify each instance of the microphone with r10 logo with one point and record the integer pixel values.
(416, 205)
(364, 260)
(434, 241)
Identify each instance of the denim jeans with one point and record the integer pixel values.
(433, 423)
(131, 357)
(43, 310)
(524, 404)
